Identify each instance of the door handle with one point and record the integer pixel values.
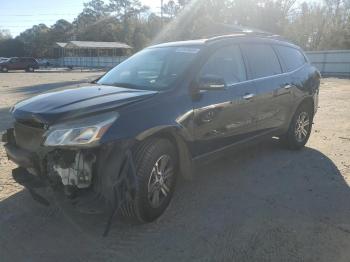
(248, 96)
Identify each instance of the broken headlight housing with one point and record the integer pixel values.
(83, 132)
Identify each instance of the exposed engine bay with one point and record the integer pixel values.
(74, 168)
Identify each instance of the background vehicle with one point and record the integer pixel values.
(159, 113)
(28, 64)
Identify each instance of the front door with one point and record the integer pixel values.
(13, 63)
(221, 117)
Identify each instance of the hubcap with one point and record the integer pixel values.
(302, 127)
(160, 181)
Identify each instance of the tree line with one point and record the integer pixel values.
(313, 25)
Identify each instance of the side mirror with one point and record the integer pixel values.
(211, 82)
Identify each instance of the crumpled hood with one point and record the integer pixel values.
(72, 103)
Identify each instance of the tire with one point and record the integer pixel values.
(30, 69)
(299, 129)
(4, 69)
(145, 207)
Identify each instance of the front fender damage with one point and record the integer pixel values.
(103, 177)
(108, 172)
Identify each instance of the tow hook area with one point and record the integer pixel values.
(74, 168)
(79, 173)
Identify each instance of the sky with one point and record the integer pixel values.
(18, 15)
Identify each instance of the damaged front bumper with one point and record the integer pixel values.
(107, 172)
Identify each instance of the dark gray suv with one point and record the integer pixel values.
(124, 139)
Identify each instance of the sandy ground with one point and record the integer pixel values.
(263, 204)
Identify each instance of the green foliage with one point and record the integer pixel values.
(313, 26)
(4, 34)
(11, 47)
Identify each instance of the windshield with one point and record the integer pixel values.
(151, 69)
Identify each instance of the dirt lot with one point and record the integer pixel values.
(264, 204)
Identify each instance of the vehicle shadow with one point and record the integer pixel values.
(264, 203)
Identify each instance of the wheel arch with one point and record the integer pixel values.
(309, 102)
(173, 134)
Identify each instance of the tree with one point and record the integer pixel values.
(106, 29)
(11, 47)
(171, 9)
(314, 26)
(61, 31)
(93, 11)
(125, 9)
(36, 41)
(4, 34)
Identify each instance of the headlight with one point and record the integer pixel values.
(82, 132)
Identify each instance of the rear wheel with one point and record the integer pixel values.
(156, 167)
(4, 69)
(30, 69)
(300, 128)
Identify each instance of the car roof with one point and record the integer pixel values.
(258, 38)
(21, 57)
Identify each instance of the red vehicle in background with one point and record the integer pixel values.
(28, 64)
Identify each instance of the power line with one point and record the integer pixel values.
(36, 14)
(38, 20)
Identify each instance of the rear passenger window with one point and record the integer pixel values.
(227, 63)
(262, 60)
(292, 57)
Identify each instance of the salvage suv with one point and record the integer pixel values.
(123, 140)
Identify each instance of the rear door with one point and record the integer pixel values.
(273, 96)
(220, 115)
(23, 63)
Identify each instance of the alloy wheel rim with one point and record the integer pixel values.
(302, 127)
(160, 181)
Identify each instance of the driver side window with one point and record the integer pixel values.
(226, 63)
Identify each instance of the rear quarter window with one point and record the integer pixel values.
(262, 60)
(292, 58)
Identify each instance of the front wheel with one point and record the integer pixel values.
(156, 168)
(300, 128)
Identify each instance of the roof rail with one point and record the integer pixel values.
(235, 30)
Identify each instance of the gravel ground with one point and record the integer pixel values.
(263, 204)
